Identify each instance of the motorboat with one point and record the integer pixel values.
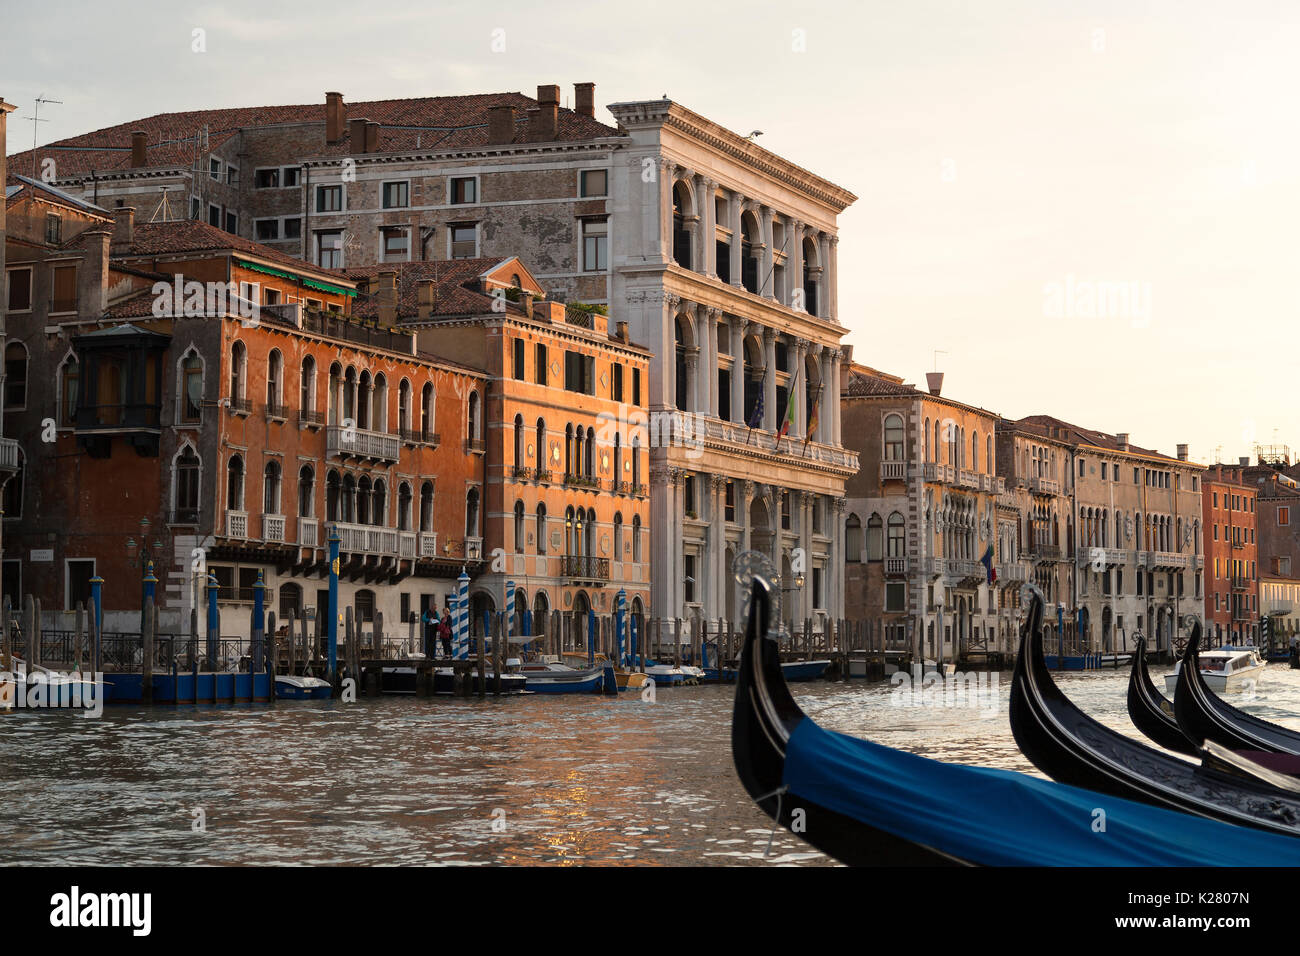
(301, 687)
(550, 677)
(866, 804)
(1227, 670)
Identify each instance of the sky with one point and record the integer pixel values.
(1078, 209)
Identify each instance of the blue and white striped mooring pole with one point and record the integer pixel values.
(332, 624)
(510, 619)
(620, 615)
(462, 616)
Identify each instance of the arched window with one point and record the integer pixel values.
(472, 423)
(895, 543)
(636, 461)
(519, 443)
(306, 491)
(541, 528)
(364, 489)
(988, 453)
(426, 412)
(875, 544)
(975, 451)
(290, 601)
(853, 538)
(404, 407)
(15, 375)
(191, 388)
(235, 484)
(271, 488)
(364, 605)
(362, 405)
(590, 542)
(348, 500)
(618, 462)
(934, 445)
(925, 441)
(591, 453)
(404, 506)
(569, 531)
(238, 371)
(336, 388)
(274, 377)
(333, 495)
(189, 471)
(379, 404)
(307, 394)
(379, 503)
(519, 527)
(568, 449)
(894, 437)
(542, 463)
(636, 537)
(618, 536)
(426, 507)
(471, 513)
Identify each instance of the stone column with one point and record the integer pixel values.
(834, 436)
(711, 318)
(715, 574)
(693, 379)
(777, 544)
(709, 234)
(771, 419)
(668, 359)
(806, 501)
(829, 397)
(707, 340)
(795, 260)
(738, 329)
(667, 173)
(835, 573)
(665, 542)
(833, 280)
(824, 261)
(766, 281)
(734, 210)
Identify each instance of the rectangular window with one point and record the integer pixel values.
(79, 573)
(785, 511)
(232, 223)
(397, 195)
(1283, 517)
(266, 179)
(20, 290)
(594, 182)
(397, 244)
(464, 240)
(519, 359)
(270, 296)
(266, 230)
(1216, 499)
(540, 358)
(729, 513)
(329, 198)
(65, 289)
(595, 245)
(289, 176)
(214, 169)
(1080, 467)
(53, 230)
(214, 215)
(690, 578)
(293, 227)
(896, 596)
(817, 587)
(232, 176)
(579, 373)
(464, 189)
(195, 208)
(1135, 476)
(616, 387)
(636, 386)
(329, 248)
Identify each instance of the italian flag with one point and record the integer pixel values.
(789, 415)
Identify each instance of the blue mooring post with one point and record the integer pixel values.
(214, 622)
(333, 623)
(259, 624)
(97, 600)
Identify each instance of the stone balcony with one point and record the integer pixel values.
(896, 566)
(8, 455)
(1165, 561)
(344, 442)
(1044, 486)
(1012, 572)
(893, 471)
(1106, 557)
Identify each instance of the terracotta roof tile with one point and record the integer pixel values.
(190, 235)
(456, 287)
(1050, 427)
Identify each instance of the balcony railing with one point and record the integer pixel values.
(367, 539)
(584, 567)
(310, 419)
(308, 532)
(272, 527)
(1164, 559)
(362, 443)
(407, 542)
(895, 566)
(236, 524)
(8, 454)
(1012, 571)
(579, 317)
(1044, 486)
(124, 417)
(428, 544)
(475, 446)
(522, 472)
(241, 406)
(1238, 545)
(1110, 557)
(893, 471)
(968, 479)
(1240, 583)
(277, 412)
(543, 474)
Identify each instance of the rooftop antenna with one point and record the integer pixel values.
(164, 207)
(937, 353)
(1218, 454)
(35, 119)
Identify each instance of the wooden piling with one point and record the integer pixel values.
(273, 646)
(79, 632)
(482, 669)
(497, 660)
(292, 663)
(347, 637)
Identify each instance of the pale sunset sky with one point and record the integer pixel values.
(1008, 157)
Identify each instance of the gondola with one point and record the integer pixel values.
(1071, 747)
(863, 803)
(1203, 715)
(1150, 711)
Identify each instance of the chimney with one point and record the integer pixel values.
(138, 149)
(501, 124)
(123, 225)
(584, 99)
(92, 281)
(388, 298)
(1182, 452)
(372, 137)
(425, 290)
(934, 382)
(622, 332)
(357, 134)
(333, 117)
(545, 121)
(1122, 439)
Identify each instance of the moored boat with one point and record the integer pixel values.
(1202, 715)
(552, 678)
(301, 687)
(1071, 747)
(797, 671)
(665, 675)
(864, 803)
(1150, 711)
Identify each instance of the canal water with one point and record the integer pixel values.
(554, 780)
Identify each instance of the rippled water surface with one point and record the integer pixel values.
(566, 779)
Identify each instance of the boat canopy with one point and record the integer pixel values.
(1001, 817)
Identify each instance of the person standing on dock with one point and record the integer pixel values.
(444, 630)
(430, 632)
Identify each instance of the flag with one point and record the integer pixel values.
(756, 417)
(987, 561)
(812, 421)
(789, 414)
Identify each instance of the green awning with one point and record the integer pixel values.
(310, 283)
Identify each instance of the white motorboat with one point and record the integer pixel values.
(1226, 670)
